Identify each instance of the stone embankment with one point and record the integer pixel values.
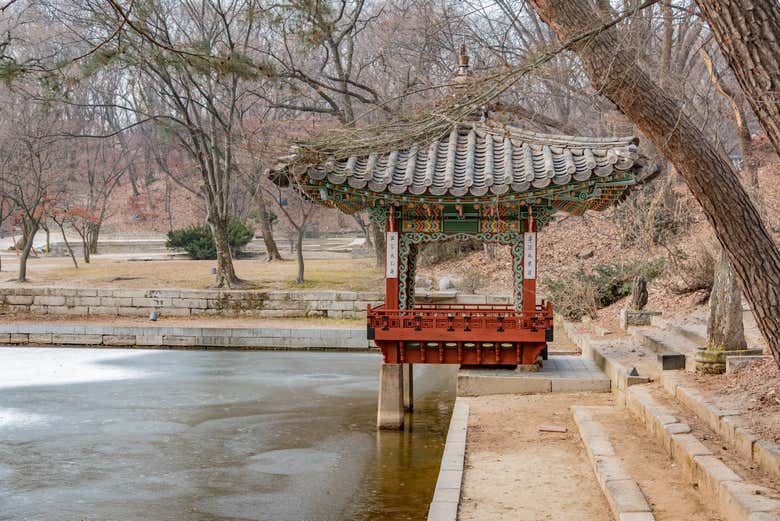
(150, 337)
(186, 302)
(192, 302)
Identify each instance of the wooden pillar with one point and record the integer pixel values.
(391, 264)
(408, 384)
(390, 409)
(529, 264)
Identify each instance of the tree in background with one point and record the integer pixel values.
(296, 209)
(748, 34)
(189, 65)
(30, 168)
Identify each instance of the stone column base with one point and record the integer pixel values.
(712, 361)
(390, 409)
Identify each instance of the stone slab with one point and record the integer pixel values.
(560, 374)
(446, 496)
(622, 492)
(624, 496)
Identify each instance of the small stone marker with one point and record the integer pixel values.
(671, 360)
(633, 372)
(552, 428)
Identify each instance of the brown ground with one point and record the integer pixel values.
(754, 389)
(513, 472)
(670, 494)
(715, 443)
(341, 274)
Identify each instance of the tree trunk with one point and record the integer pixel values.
(724, 327)
(365, 229)
(85, 247)
(48, 237)
(93, 234)
(707, 170)
(226, 275)
(272, 251)
(30, 229)
(379, 244)
(749, 167)
(299, 247)
(67, 245)
(748, 33)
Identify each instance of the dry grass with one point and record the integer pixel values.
(341, 274)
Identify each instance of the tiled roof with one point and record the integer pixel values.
(478, 160)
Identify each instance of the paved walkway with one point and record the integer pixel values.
(559, 374)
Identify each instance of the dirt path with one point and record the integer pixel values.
(513, 472)
(671, 496)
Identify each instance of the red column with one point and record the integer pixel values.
(391, 263)
(529, 265)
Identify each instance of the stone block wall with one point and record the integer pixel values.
(151, 337)
(186, 302)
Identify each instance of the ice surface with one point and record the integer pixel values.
(22, 367)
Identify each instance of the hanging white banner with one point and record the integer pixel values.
(392, 255)
(529, 255)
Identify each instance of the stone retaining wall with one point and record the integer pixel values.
(190, 302)
(185, 302)
(149, 337)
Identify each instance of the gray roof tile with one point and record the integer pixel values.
(480, 160)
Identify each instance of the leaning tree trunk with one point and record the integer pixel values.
(724, 327)
(226, 275)
(748, 33)
(272, 251)
(30, 229)
(67, 244)
(615, 72)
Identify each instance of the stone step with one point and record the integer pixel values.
(694, 331)
(666, 340)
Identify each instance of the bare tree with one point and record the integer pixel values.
(190, 64)
(296, 208)
(748, 33)
(29, 165)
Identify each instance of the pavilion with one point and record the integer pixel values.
(481, 181)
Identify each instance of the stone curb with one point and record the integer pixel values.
(624, 496)
(763, 453)
(184, 337)
(736, 499)
(446, 496)
(616, 372)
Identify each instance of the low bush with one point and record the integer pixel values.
(198, 242)
(583, 292)
(472, 281)
(694, 271)
(651, 215)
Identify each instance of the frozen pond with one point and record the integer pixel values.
(211, 435)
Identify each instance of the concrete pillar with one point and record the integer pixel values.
(408, 387)
(390, 410)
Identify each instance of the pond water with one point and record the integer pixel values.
(91, 434)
